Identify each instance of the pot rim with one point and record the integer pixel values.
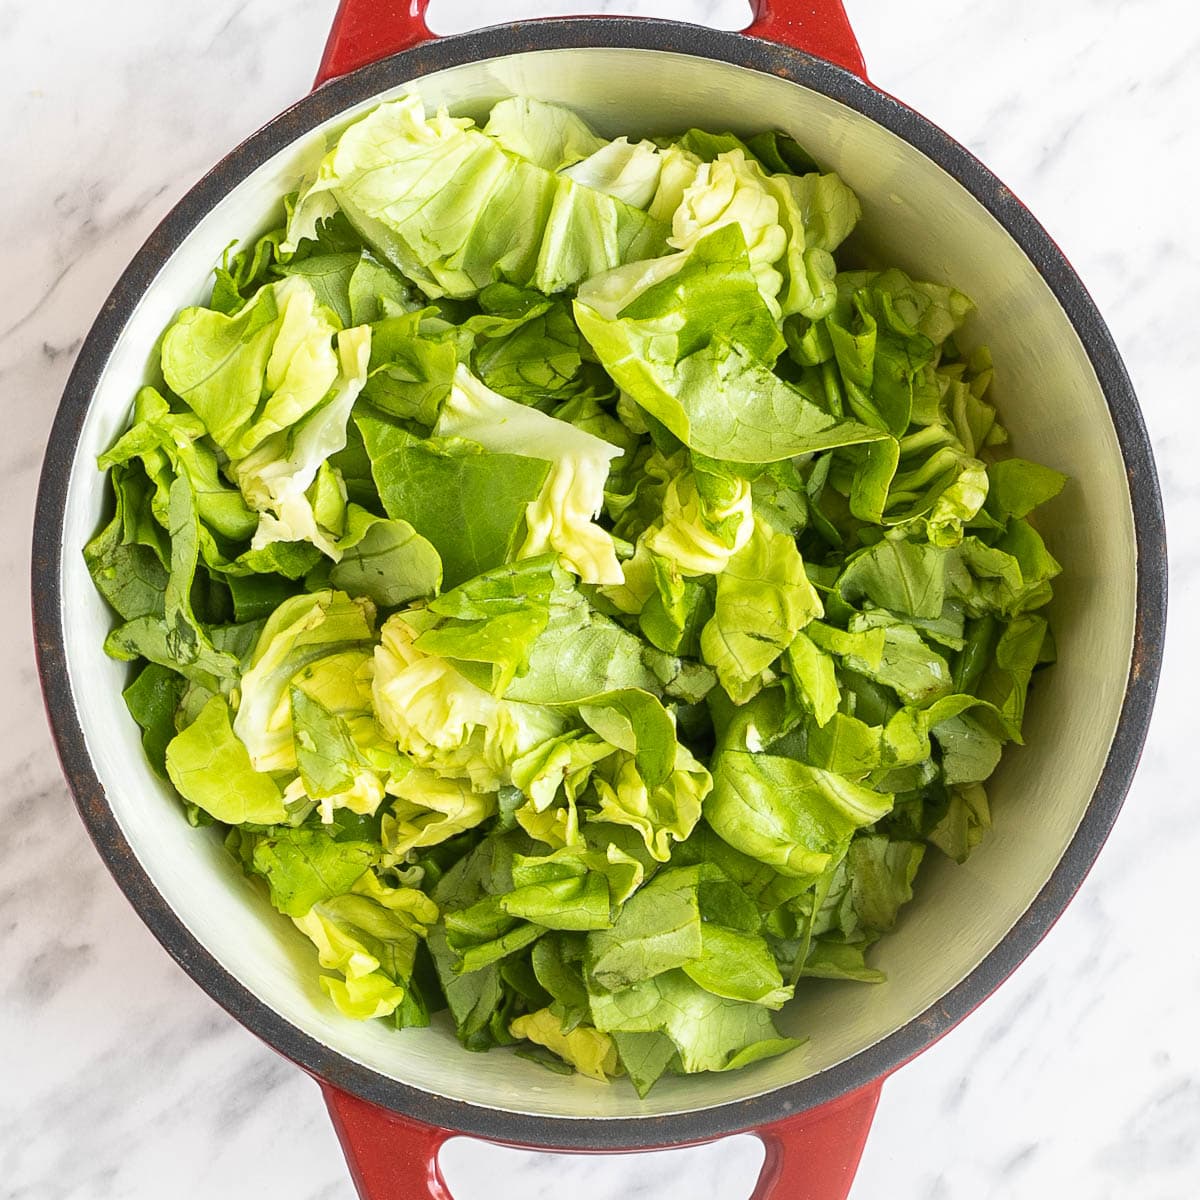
(617, 1133)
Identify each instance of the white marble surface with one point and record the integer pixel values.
(119, 1078)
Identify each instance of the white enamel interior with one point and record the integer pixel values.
(915, 216)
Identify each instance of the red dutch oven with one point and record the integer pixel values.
(930, 207)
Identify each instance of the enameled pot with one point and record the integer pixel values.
(930, 207)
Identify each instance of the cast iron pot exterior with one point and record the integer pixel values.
(868, 1065)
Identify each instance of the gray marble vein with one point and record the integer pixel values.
(120, 1079)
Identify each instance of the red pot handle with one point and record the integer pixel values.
(366, 30)
(818, 27)
(811, 1156)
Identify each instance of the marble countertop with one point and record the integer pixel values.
(120, 1079)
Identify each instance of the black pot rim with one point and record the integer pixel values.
(714, 1121)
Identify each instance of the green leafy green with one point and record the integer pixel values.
(797, 818)
(280, 344)
(763, 600)
(304, 867)
(562, 515)
(658, 930)
(369, 936)
(709, 379)
(385, 560)
(454, 210)
(710, 1033)
(468, 504)
(211, 768)
(579, 600)
(549, 135)
(299, 634)
(152, 699)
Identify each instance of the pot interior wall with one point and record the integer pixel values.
(915, 216)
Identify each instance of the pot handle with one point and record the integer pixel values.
(391, 1157)
(366, 30)
(814, 1155)
(818, 27)
(811, 1156)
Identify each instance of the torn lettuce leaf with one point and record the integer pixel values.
(386, 561)
(764, 598)
(549, 135)
(253, 374)
(470, 505)
(692, 353)
(299, 633)
(282, 477)
(453, 210)
(562, 516)
(212, 769)
(629, 171)
(589, 1051)
(710, 1033)
(798, 819)
(368, 938)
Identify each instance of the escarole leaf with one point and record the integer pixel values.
(582, 653)
(763, 600)
(412, 365)
(513, 588)
(421, 701)
(468, 504)
(467, 741)
(448, 206)
(658, 929)
(178, 639)
(559, 892)
(629, 171)
(428, 810)
(562, 516)
(549, 135)
(169, 445)
(662, 814)
(278, 476)
(128, 572)
(927, 474)
(797, 818)
(304, 866)
(710, 1033)
(708, 380)
(881, 873)
(899, 575)
(152, 699)
(212, 769)
(737, 966)
(335, 769)
(673, 615)
(369, 937)
(525, 346)
(589, 1051)
(1017, 487)
(793, 268)
(730, 191)
(494, 618)
(273, 385)
(707, 517)
(815, 676)
(387, 561)
(280, 345)
(299, 632)
(634, 721)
